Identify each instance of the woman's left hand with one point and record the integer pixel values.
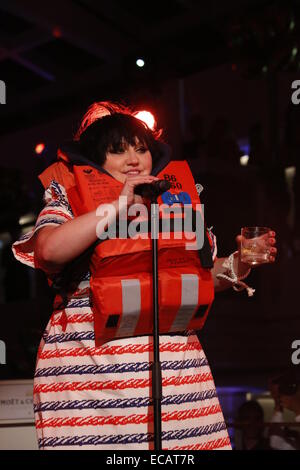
(271, 242)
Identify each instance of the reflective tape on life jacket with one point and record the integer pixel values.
(121, 268)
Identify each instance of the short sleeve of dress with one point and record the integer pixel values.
(56, 211)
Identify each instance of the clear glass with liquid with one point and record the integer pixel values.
(255, 247)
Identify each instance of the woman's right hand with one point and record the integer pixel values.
(56, 246)
(130, 183)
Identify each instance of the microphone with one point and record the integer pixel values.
(152, 190)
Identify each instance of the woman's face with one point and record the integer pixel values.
(130, 160)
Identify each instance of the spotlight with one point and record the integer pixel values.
(140, 62)
(56, 32)
(290, 172)
(244, 160)
(39, 148)
(146, 117)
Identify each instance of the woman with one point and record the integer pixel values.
(91, 396)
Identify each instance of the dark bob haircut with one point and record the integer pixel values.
(111, 132)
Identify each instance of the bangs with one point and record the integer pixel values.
(112, 132)
(123, 130)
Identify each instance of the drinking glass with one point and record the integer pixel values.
(255, 248)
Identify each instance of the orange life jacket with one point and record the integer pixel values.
(121, 268)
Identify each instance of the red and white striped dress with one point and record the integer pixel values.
(88, 397)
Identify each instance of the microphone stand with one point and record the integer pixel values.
(156, 367)
(152, 191)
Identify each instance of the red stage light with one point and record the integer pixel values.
(146, 117)
(39, 148)
(56, 32)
